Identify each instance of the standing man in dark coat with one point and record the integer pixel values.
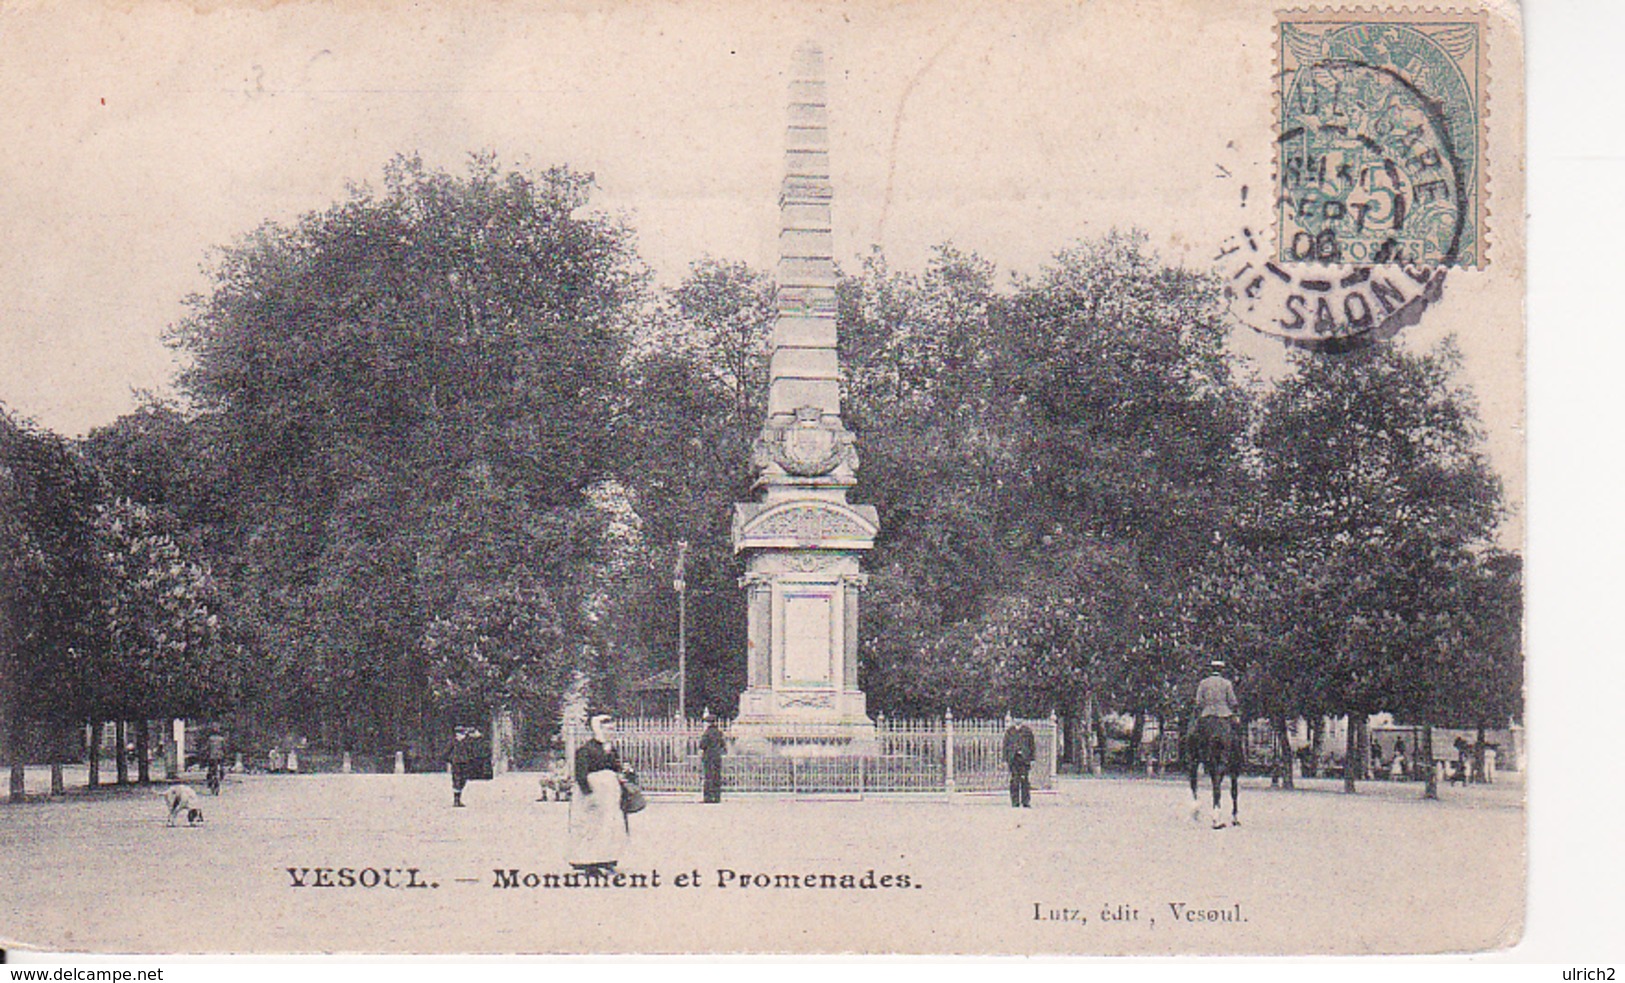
(215, 753)
(1020, 748)
(463, 754)
(712, 747)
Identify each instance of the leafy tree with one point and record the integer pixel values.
(1465, 665)
(483, 652)
(372, 378)
(164, 654)
(1251, 593)
(695, 405)
(1138, 421)
(156, 457)
(49, 634)
(925, 395)
(1050, 464)
(1373, 463)
(1135, 443)
(719, 321)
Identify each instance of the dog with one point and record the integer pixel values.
(181, 798)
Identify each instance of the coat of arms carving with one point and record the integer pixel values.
(811, 446)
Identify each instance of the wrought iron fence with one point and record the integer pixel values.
(1262, 745)
(909, 756)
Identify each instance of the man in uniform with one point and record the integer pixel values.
(1020, 748)
(712, 747)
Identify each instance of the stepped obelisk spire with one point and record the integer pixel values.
(803, 443)
(802, 540)
(804, 371)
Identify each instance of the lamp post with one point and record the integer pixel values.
(680, 585)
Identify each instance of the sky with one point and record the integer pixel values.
(139, 138)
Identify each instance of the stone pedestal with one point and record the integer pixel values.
(802, 584)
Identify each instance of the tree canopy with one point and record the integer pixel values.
(411, 393)
(436, 449)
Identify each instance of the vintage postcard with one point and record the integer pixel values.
(604, 477)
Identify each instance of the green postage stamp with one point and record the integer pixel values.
(1380, 141)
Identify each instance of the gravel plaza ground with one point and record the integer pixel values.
(1309, 871)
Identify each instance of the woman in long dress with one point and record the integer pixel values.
(597, 825)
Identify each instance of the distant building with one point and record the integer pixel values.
(655, 696)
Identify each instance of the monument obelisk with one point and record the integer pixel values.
(802, 539)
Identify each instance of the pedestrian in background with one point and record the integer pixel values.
(712, 747)
(463, 756)
(215, 757)
(1462, 770)
(1020, 748)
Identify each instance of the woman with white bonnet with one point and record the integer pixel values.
(597, 827)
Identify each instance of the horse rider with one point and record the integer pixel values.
(1216, 697)
(1218, 713)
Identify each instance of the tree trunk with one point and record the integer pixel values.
(1478, 756)
(1095, 746)
(17, 751)
(1280, 759)
(1424, 756)
(172, 755)
(1317, 746)
(94, 756)
(1063, 738)
(1286, 752)
(1135, 737)
(1351, 754)
(1282, 749)
(59, 742)
(10, 697)
(1080, 741)
(121, 763)
(1365, 749)
(143, 751)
